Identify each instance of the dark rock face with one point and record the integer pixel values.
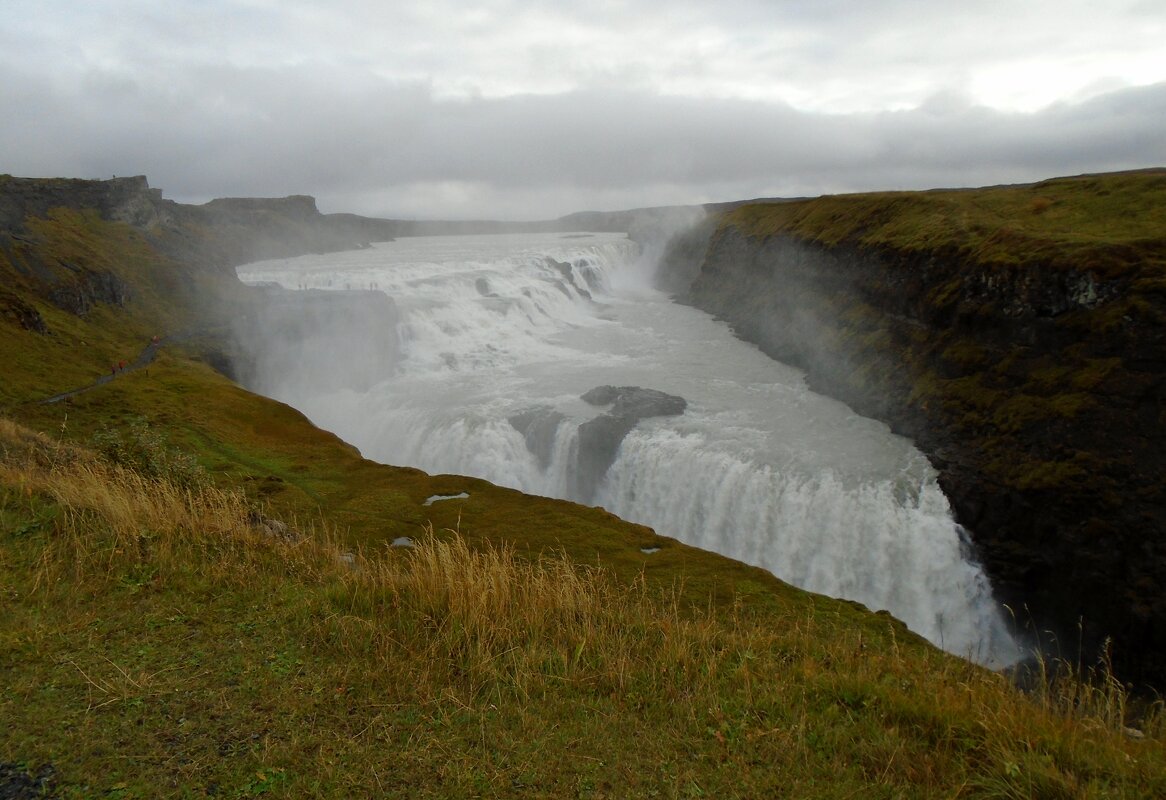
(14, 309)
(538, 427)
(591, 280)
(634, 402)
(600, 438)
(685, 255)
(86, 288)
(222, 233)
(1038, 391)
(129, 200)
(599, 441)
(72, 278)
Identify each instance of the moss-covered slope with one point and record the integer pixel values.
(1019, 335)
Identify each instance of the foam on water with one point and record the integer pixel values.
(758, 467)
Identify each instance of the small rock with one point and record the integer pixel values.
(273, 528)
(18, 784)
(437, 497)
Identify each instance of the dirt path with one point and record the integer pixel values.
(144, 359)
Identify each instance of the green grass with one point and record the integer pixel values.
(158, 646)
(1104, 223)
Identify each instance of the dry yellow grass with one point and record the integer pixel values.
(414, 660)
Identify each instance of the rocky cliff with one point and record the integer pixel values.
(128, 200)
(55, 250)
(222, 233)
(1018, 334)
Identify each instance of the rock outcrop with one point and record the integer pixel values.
(87, 287)
(129, 200)
(600, 438)
(14, 308)
(222, 233)
(538, 426)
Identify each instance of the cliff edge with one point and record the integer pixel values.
(222, 233)
(1018, 335)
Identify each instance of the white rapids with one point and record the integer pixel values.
(758, 467)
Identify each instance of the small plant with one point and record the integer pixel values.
(144, 450)
(1039, 205)
(262, 782)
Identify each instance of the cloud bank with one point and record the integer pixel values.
(397, 130)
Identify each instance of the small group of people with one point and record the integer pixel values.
(120, 366)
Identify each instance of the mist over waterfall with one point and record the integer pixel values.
(549, 363)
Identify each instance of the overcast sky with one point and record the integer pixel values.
(511, 109)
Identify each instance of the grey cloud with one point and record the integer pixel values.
(269, 99)
(366, 144)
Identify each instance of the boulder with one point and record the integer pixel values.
(600, 438)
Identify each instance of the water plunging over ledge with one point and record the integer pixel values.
(500, 337)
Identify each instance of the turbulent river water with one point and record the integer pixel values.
(499, 337)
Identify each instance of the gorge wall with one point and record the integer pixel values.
(1025, 354)
(203, 242)
(223, 232)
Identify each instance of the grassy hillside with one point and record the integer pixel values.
(1106, 223)
(159, 644)
(197, 598)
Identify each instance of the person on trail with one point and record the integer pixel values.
(113, 370)
(121, 366)
(155, 339)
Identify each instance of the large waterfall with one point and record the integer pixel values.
(500, 338)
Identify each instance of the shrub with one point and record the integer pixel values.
(145, 451)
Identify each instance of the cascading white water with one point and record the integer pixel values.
(501, 335)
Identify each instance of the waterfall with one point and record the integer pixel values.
(499, 340)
